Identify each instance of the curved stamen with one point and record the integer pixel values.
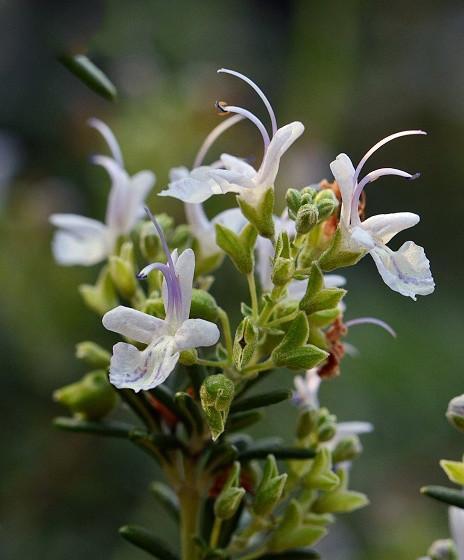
(109, 138)
(213, 136)
(371, 321)
(258, 90)
(248, 115)
(379, 145)
(373, 176)
(169, 271)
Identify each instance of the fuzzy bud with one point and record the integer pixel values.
(306, 218)
(217, 394)
(326, 203)
(203, 306)
(455, 412)
(347, 449)
(93, 354)
(270, 488)
(231, 495)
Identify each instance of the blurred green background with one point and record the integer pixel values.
(353, 72)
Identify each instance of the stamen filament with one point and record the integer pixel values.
(371, 321)
(258, 90)
(109, 138)
(248, 115)
(379, 145)
(213, 136)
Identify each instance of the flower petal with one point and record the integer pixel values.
(265, 254)
(232, 219)
(140, 185)
(79, 240)
(353, 428)
(185, 268)
(384, 227)
(406, 271)
(280, 143)
(134, 324)
(196, 332)
(132, 369)
(238, 166)
(456, 521)
(177, 173)
(343, 172)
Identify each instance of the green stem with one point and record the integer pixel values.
(268, 364)
(211, 363)
(253, 294)
(223, 317)
(256, 554)
(215, 533)
(189, 501)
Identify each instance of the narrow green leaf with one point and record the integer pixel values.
(166, 397)
(446, 495)
(291, 555)
(167, 498)
(147, 541)
(241, 420)
(110, 429)
(220, 455)
(84, 69)
(259, 401)
(279, 452)
(191, 410)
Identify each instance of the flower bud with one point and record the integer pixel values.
(91, 398)
(321, 476)
(293, 199)
(188, 357)
(283, 271)
(203, 306)
(305, 424)
(93, 354)
(181, 236)
(455, 412)
(155, 307)
(149, 242)
(326, 430)
(231, 496)
(307, 195)
(216, 394)
(101, 297)
(306, 218)
(245, 342)
(270, 489)
(326, 203)
(443, 550)
(347, 449)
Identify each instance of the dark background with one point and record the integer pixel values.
(353, 72)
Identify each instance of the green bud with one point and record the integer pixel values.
(326, 203)
(306, 218)
(123, 272)
(239, 248)
(327, 298)
(293, 352)
(217, 394)
(323, 318)
(155, 307)
(260, 212)
(337, 255)
(203, 306)
(245, 342)
(91, 398)
(293, 199)
(293, 530)
(347, 449)
(231, 496)
(181, 236)
(149, 242)
(443, 549)
(283, 271)
(321, 476)
(188, 357)
(101, 297)
(305, 424)
(93, 354)
(326, 431)
(308, 194)
(454, 471)
(270, 489)
(340, 500)
(455, 412)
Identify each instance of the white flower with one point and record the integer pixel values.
(165, 338)
(407, 270)
(456, 521)
(84, 241)
(231, 174)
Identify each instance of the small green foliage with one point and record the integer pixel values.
(238, 247)
(338, 256)
(84, 69)
(245, 342)
(91, 398)
(216, 393)
(228, 501)
(93, 354)
(123, 272)
(260, 213)
(203, 306)
(144, 539)
(102, 296)
(270, 489)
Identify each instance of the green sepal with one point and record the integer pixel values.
(260, 214)
(321, 476)
(323, 318)
(191, 410)
(167, 498)
(84, 69)
(91, 398)
(293, 199)
(109, 429)
(203, 306)
(317, 298)
(336, 256)
(326, 202)
(347, 449)
(93, 354)
(448, 496)
(306, 218)
(293, 531)
(270, 489)
(102, 296)
(239, 247)
(147, 541)
(245, 342)
(216, 394)
(260, 401)
(230, 497)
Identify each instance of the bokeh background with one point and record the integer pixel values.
(353, 71)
